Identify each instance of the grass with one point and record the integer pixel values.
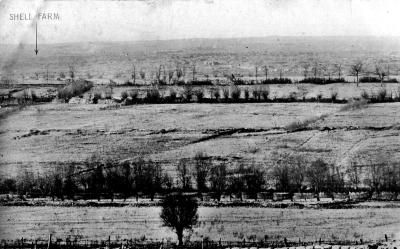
(75, 132)
(214, 223)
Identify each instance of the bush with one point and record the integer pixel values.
(256, 92)
(187, 93)
(246, 94)
(334, 95)
(277, 81)
(34, 97)
(199, 95)
(153, 96)
(74, 89)
(96, 97)
(124, 95)
(364, 94)
(201, 83)
(132, 97)
(376, 79)
(322, 81)
(264, 93)
(225, 93)
(235, 93)
(216, 94)
(382, 94)
(172, 95)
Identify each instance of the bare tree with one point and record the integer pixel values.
(179, 212)
(133, 75)
(256, 74)
(317, 174)
(194, 71)
(183, 174)
(338, 69)
(202, 170)
(266, 72)
(380, 72)
(218, 179)
(170, 76)
(305, 67)
(316, 69)
(255, 179)
(354, 175)
(356, 69)
(71, 71)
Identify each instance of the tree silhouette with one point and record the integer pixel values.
(179, 212)
(356, 69)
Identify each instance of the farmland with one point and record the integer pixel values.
(345, 127)
(169, 132)
(227, 223)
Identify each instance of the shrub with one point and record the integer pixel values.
(96, 97)
(153, 96)
(382, 94)
(376, 79)
(265, 93)
(108, 93)
(201, 83)
(364, 94)
(256, 92)
(319, 96)
(216, 94)
(235, 93)
(277, 81)
(334, 95)
(187, 93)
(199, 95)
(322, 81)
(246, 94)
(34, 97)
(172, 95)
(292, 96)
(74, 89)
(355, 105)
(124, 95)
(225, 93)
(132, 97)
(299, 125)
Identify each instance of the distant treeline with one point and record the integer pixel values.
(107, 178)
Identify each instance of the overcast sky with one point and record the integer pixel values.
(176, 19)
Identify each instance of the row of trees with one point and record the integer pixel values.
(313, 72)
(106, 178)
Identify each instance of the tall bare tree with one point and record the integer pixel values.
(338, 68)
(356, 69)
(202, 169)
(183, 174)
(266, 72)
(380, 72)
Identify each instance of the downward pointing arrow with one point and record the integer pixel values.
(36, 50)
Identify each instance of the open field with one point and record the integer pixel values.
(215, 223)
(42, 136)
(213, 57)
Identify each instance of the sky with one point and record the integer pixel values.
(93, 21)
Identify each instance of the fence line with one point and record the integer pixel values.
(154, 244)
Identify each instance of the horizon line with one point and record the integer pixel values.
(209, 38)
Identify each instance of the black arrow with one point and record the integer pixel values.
(36, 50)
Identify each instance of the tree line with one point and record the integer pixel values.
(145, 178)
